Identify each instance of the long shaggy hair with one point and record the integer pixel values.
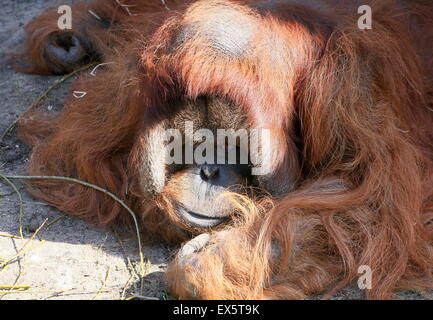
(351, 112)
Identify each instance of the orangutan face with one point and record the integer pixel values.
(204, 171)
(205, 151)
(210, 140)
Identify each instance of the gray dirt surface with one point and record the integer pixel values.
(68, 259)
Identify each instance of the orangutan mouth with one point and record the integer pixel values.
(200, 220)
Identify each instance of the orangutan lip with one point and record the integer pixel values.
(198, 220)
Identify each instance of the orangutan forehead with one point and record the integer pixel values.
(225, 28)
(210, 113)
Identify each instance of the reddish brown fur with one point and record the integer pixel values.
(364, 193)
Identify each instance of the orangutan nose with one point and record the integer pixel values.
(209, 172)
(224, 175)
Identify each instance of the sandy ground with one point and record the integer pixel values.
(67, 259)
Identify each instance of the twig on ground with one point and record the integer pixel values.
(103, 284)
(24, 248)
(125, 287)
(21, 202)
(108, 193)
(69, 292)
(141, 298)
(26, 202)
(21, 287)
(9, 236)
(41, 98)
(128, 262)
(49, 224)
(10, 193)
(20, 253)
